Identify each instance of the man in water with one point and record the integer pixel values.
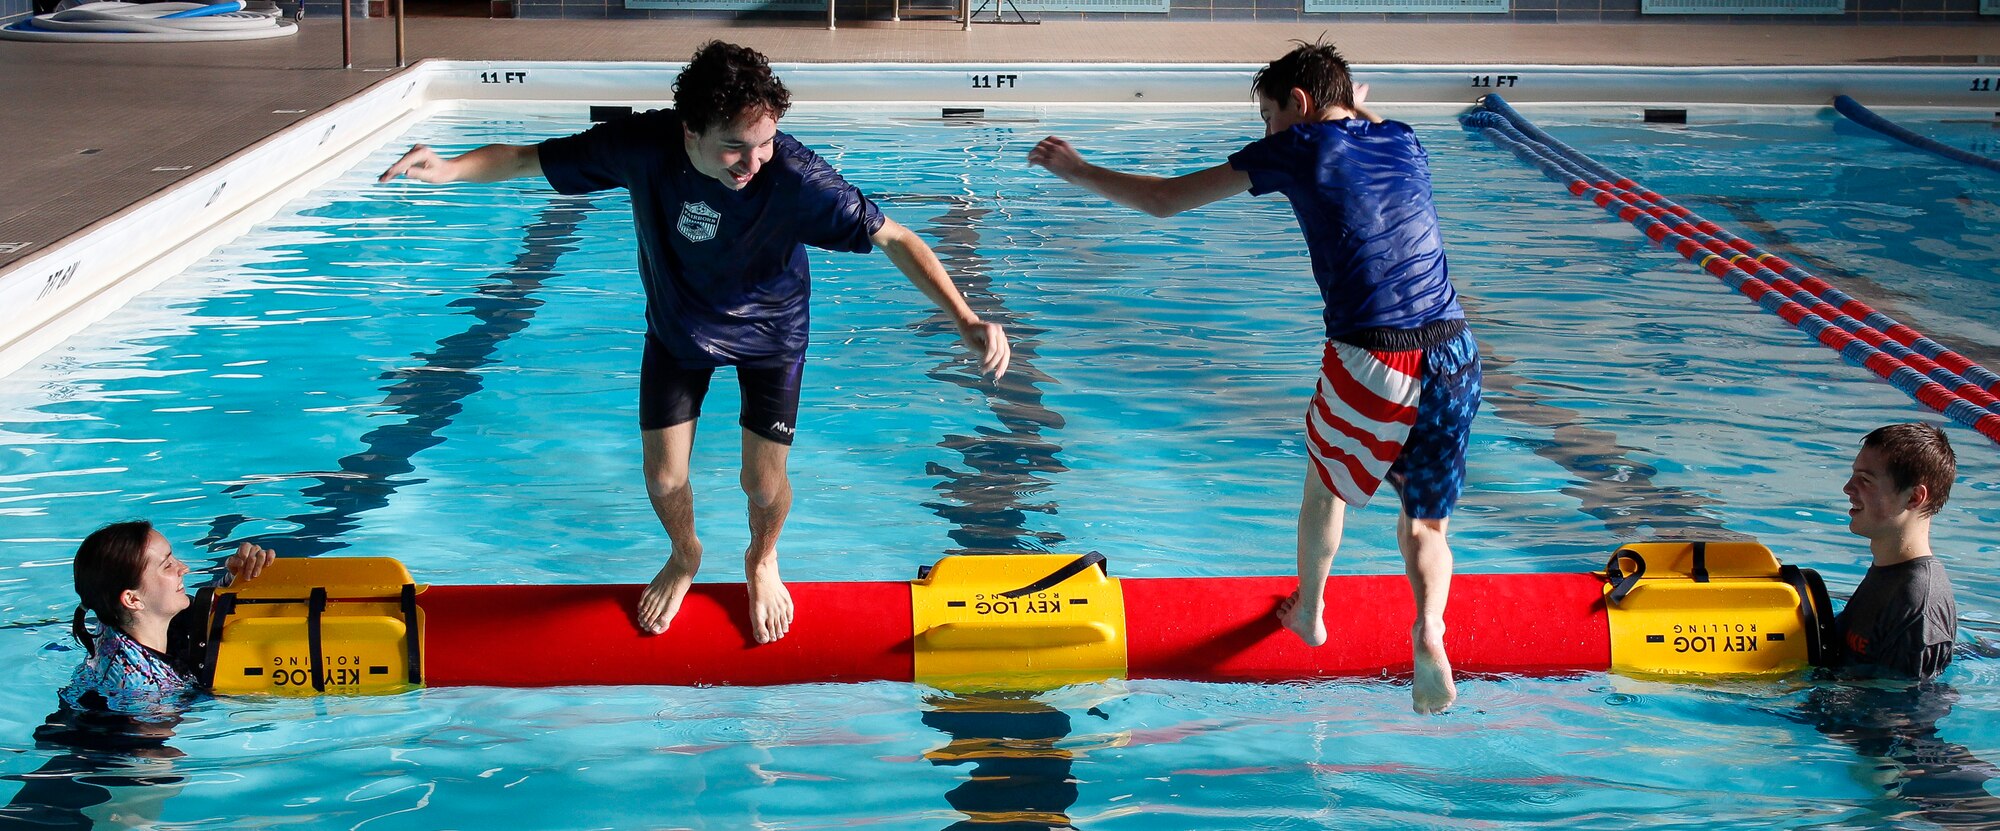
(1901, 621)
(1399, 373)
(725, 205)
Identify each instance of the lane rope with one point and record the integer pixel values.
(1927, 371)
(1859, 114)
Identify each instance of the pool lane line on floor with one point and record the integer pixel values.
(990, 514)
(1889, 356)
(429, 396)
(1612, 487)
(1859, 114)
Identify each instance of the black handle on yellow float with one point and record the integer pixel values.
(1828, 638)
(413, 639)
(315, 609)
(1056, 577)
(1814, 649)
(1816, 610)
(1621, 583)
(1700, 570)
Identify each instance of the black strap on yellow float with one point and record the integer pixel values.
(1622, 584)
(219, 609)
(315, 610)
(1055, 578)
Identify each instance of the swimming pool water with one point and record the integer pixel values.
(448, 375)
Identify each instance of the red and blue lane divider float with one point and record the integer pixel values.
(1860, 315)
(1927, 371)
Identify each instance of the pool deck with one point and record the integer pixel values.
(100, 127)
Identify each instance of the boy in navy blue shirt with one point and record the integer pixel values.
(725, 205)
(1399, 373)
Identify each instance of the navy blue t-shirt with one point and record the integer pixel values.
(725, 270)
(1362, 193)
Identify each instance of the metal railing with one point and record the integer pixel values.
(347, 33)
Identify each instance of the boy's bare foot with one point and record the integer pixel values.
(662, 598)
(1431, 686)
(1303, 619)
(770, 601)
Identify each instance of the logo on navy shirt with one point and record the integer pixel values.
(698, 221)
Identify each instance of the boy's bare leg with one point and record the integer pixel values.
(1320, 517)
(666, 464)
(770, 493)
(1427, 562)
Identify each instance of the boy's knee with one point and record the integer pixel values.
(764, 490)
(1427, 530)
(664, 481)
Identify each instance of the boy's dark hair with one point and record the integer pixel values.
(1316, 68)
(110, 561)
(724, 82)
(1917, 454)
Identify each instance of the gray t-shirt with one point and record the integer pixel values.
(1901, 621)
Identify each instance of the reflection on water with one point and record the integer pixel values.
(1020, 775)
(1919, 771)
(988, 504)
(106, 768)
(426, 396)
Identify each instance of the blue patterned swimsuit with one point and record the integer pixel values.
(128, 677)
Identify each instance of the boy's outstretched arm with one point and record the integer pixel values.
(1151, 194)
(491, 163)
(920, 265)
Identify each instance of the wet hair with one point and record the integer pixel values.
(110, 561)
(1316, 68)
(1917, 454)
(724, 82)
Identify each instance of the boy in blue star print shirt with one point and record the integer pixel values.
(1399, 373)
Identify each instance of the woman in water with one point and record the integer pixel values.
(143, 658)
(110, 731)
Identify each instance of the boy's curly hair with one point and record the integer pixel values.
(1316, 68)
(724, 82)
